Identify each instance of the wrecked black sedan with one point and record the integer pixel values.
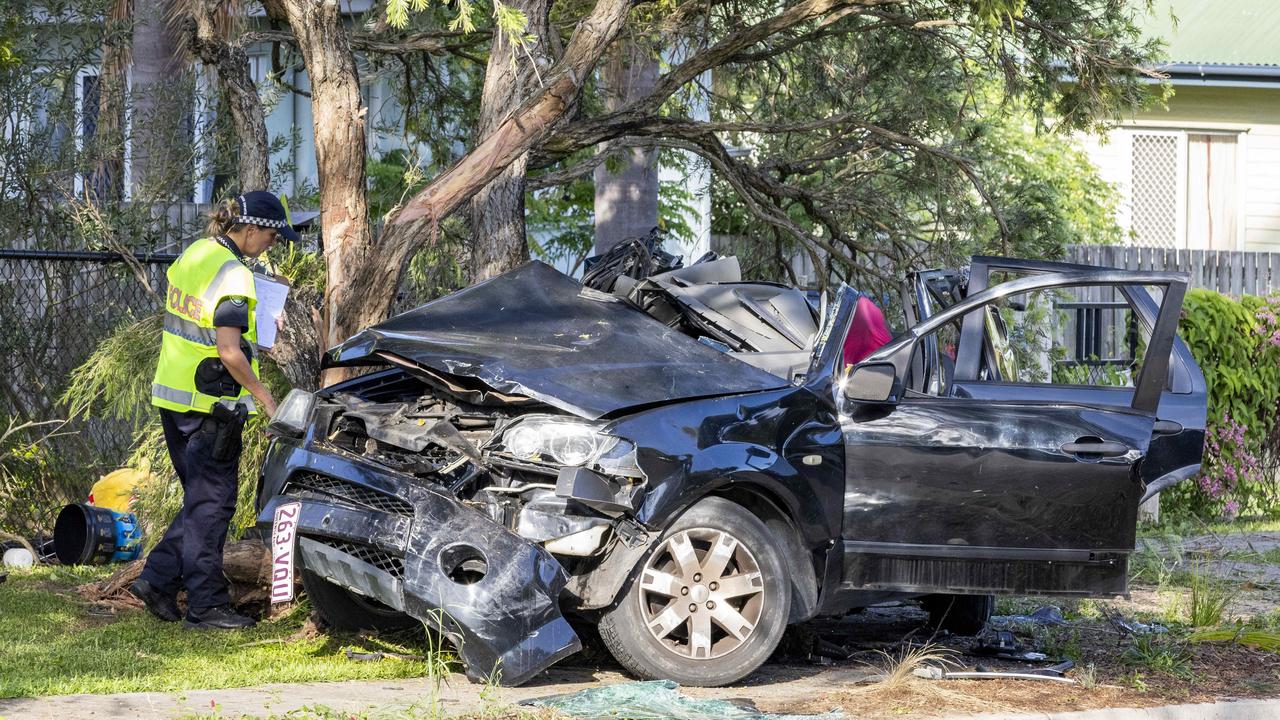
(692, 462)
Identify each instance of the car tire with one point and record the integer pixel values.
(959, 614)
(343, 610)
(654, 634)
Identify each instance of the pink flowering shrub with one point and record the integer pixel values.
(1237, 345)
(1268, 322)
(1230, 465)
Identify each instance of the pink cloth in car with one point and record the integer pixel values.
(867, 332)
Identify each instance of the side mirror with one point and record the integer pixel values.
(872, 382)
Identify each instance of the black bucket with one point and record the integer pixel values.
(88, 535)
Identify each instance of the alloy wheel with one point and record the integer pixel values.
(701, 594)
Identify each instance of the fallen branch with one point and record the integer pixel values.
(247, 565)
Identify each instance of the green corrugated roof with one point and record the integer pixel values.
(1217, 32)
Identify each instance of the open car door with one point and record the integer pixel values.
(1003, 480)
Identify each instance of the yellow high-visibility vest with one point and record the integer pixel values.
(189, 375)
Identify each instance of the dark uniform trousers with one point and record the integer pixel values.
(190, 554)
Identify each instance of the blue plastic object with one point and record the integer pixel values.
(128, 537)
(89, 535)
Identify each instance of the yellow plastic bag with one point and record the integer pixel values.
(115, 490)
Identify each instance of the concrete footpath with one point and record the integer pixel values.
(1237, 710)
(455, 695)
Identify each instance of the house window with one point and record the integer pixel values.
(259, 66)
(88, 101)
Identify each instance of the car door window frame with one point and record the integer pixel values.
(969, 358)
(1146, 392)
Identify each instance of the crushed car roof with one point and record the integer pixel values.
(536, 332)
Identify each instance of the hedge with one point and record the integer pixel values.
(1237, 345)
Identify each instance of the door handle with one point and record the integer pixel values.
(1089, 446)
(1166, 427)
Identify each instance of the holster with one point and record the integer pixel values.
(228, 423)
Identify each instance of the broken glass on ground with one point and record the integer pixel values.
(656, 700)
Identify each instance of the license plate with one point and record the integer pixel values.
(284, 532)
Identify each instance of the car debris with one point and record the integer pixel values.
(379, 655)
(657, 700)
(686, 460)
(1135, 627)
(994, 675)
(1003, 645)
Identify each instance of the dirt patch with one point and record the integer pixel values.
(924, 698)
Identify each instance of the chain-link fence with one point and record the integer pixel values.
(55, 308)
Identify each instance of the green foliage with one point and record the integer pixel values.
(1059, 642)
(1049, 193)
(1243, 634)
(1233, 341)
(1046, 191)
(115, 381)
(392, 178)
(8, 30)
(32, 481)
(1162, 654)
(1158, 561)
(302, 268)
(508, 20)
(1095, 375)
(1209, 599)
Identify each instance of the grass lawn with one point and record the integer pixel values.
(53, 643)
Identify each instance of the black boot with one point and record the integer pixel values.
(162, 606)
(221, 617)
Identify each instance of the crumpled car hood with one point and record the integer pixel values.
(536, 332)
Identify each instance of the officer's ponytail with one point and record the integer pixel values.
(222, 218)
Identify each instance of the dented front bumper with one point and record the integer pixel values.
(418, 549)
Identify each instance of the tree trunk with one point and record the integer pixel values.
(158, 169)
(497, 225)
(105, 184)
(626, 203)
(497, 210)
(239, 93)
(246, 564)
(351, 259)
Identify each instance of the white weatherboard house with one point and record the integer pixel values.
(1204, 174)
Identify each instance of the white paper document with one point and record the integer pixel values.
(271, 296)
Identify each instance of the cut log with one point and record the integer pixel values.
(246, 564)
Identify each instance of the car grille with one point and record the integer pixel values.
(349, 492)
(384, 561)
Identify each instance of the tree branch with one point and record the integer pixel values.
(578, 170)
(432, 43)
(527, 125)
(722, 51)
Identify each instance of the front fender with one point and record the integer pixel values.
(786, 445)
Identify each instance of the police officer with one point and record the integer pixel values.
(206, 384)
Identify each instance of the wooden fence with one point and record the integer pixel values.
(1228, 272)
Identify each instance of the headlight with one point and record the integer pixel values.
(293, 414)
(542, 438)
